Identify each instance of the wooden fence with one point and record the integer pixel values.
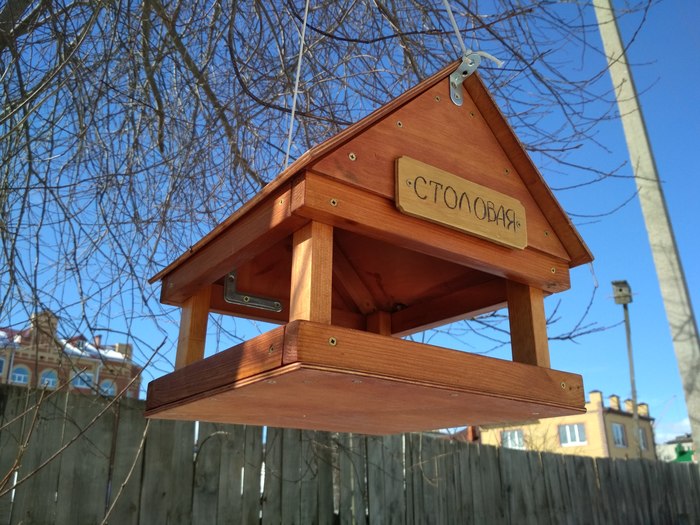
(78, 458)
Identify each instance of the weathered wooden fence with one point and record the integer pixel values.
(77, 458)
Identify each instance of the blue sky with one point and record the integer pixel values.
(666, 71)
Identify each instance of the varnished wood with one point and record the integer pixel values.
(462, 303)
(312, 273)
(193, 328)
(432, 194)
(263, 226)
(343, 380)
(483, 131)
(466, 148)
(556, 216)
(393, 274)
(346, 276)
(377, 217)
(379, 322)
(248, 359)
(528, 326)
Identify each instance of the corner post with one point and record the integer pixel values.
(193, 328)
(528, 326)
(312, 274)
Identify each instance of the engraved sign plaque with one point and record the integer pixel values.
(438, 196)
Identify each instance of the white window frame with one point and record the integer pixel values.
(572, 435)
(83, 380)
(643, 441)
(514, 439)
(53, 383)
(112, 388)
(13, 377)
(619, 435)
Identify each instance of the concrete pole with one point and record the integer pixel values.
(633, 385)
(674, 290)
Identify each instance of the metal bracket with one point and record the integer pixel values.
(469, 64)
(231, 295)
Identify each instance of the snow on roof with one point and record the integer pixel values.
(79, 347)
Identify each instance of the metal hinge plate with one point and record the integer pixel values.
(233, 296)
(469, 64)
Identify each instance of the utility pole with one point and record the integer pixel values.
(674, 290)
(622, 293)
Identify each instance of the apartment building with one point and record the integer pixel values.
(36, 357)
(603, 431)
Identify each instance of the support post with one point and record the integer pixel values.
(528, 326)
(312, 273)
(379, 322)
(193, 328)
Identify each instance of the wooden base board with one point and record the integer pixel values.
(322, 377)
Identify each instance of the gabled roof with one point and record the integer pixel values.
(563, 229)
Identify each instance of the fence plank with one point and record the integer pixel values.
(539, 490)
(582, 489)
(45, 441)
(557, 485)
(488, 503)
(207, 474)
(400, 479)
(12, 403)
(353, 491)
(308, 479)
(84, 474)
(166, 492)
(463, 482)
(272, 493)
(291, 477)
(323, 449)
(229, 501)
(127, 458)
(385, 479)
(414, 478)
(251, 503)
(517, 486)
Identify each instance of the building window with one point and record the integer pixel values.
(619, 435)
(108, 388)
(570, 435)
(20, 375)
(82, 380)
(513, 439)
(643, 443)
(49, 379)
(2, 366)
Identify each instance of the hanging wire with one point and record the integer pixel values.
(465, 51)
(296, 84)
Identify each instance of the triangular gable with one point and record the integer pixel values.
(473, 141)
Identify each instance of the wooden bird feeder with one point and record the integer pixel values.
(423, 213)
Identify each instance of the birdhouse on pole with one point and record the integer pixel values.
(423, 213)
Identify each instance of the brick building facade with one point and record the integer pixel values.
(36, 357)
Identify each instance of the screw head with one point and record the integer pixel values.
(399, 123)
(352, 156)
(332, 341)
(334, 202)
